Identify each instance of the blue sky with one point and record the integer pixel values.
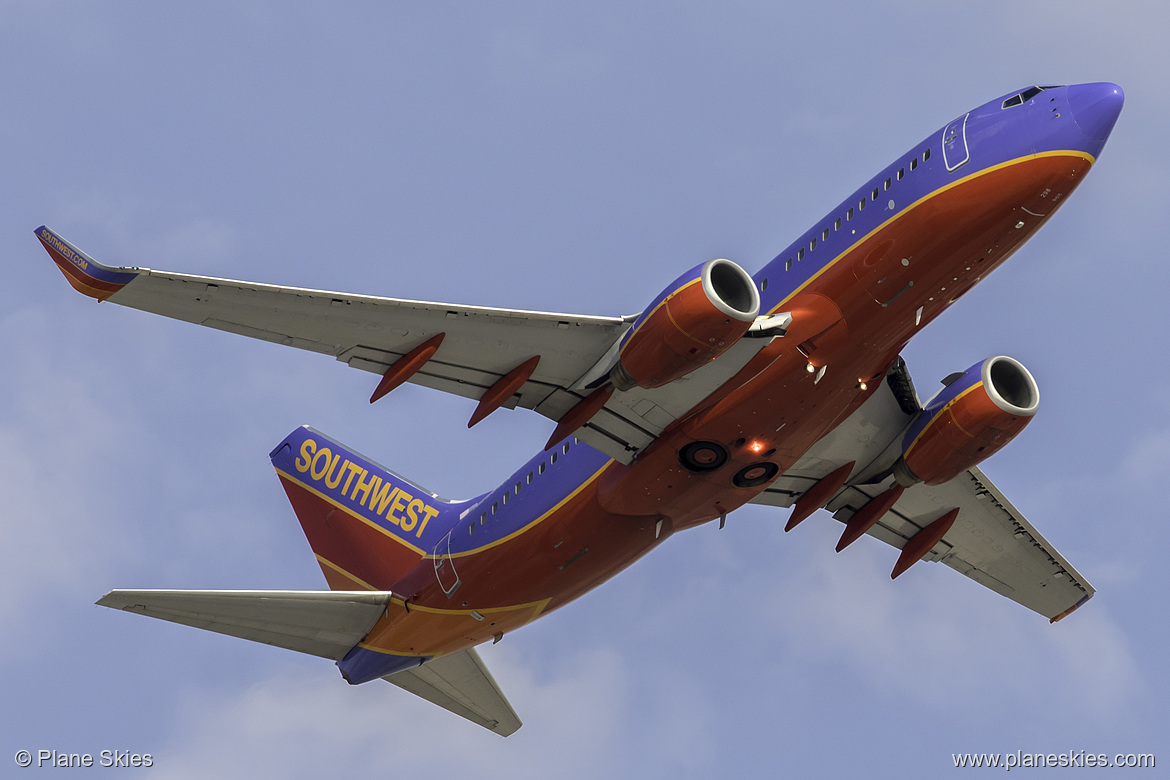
(568, 159)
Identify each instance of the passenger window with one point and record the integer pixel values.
(540, 468)
(506, 494)
(837, 224)
(926, 155)
(763, 285)
(565, 449)
(812, 245)
(849, 214)
(914, 164)
(554, 458)
(874, 196)
(495, 507)
(888, 183)
(825, 234)
(529, 478)
(517, 488)
(861, 206)
(788, 264)
(901, 173)
(800, 254)
(482, 517)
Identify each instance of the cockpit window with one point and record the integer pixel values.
(1023, 97)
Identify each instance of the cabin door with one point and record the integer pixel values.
(445, 566)
(954, 143)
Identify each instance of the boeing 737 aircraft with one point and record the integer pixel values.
(782, 388)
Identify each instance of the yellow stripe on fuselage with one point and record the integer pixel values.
(530, 525)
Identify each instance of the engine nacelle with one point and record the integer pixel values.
(970, 420)
(692, 322)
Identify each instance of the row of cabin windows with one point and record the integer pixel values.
(873, 196)
(515, 489)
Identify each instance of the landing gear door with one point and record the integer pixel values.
(954, 143)
(445, 566)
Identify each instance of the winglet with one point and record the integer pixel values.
(87, 276)
(1071, 609)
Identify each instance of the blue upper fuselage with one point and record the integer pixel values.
(1027, 122)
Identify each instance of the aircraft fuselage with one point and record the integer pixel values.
(860, 283)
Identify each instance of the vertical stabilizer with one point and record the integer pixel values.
(367, 526)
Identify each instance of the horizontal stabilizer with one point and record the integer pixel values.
(460, 683)
(327, 624)
(322, 623)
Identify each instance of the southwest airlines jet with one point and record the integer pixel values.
(783, 388)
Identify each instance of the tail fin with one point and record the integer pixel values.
(367, 526)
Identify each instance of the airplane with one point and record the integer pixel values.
(784, 388)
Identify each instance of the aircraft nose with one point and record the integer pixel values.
(1095, 108)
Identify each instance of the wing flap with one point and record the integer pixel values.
(991, 542)
(461, 683)
(321, 623)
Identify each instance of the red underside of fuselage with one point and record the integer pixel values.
(853, 318)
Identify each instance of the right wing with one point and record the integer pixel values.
(991, 541)
(481, 344)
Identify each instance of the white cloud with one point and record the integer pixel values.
(304, 723)
(55, 435)
(932, 631)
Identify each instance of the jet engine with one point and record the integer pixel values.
(975, 415)
(693, 321)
